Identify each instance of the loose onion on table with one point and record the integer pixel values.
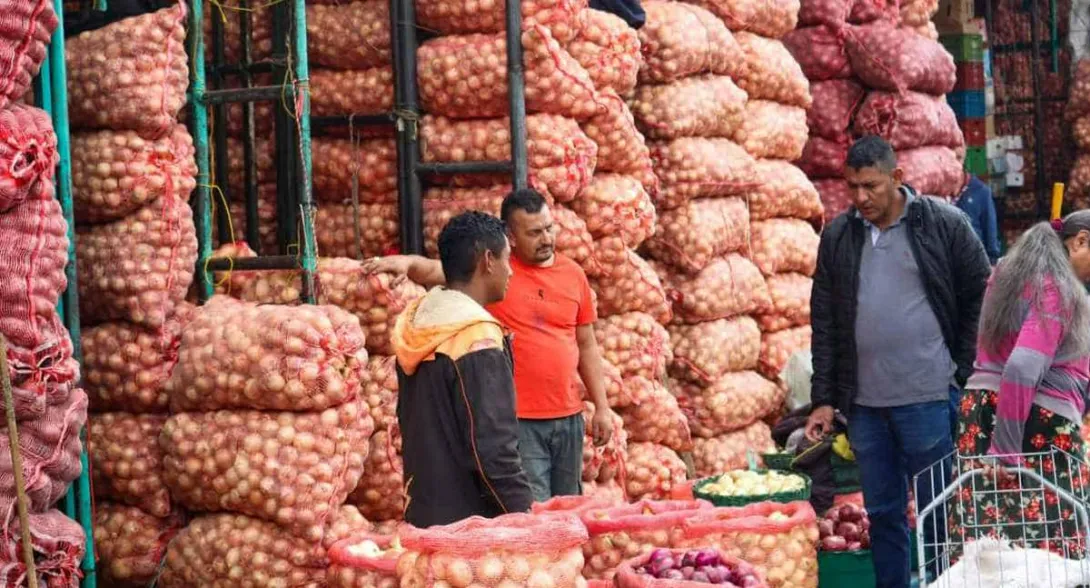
(771, 72)
(447, 17)
(604, 463)
(334, 229)
(819, 51)
(621, 146)
(126, 462)
(825, 157)
(777, 348)
(783, 191)
(652, 471)
(845, 528)
(697, 167)
(784, 245)
(631, 286)
(380, 494)
(28, 154)
(680, 40)
(839, 100)
(635, 343)
(130, 544)
(695, 234)
(676, 568)
(701, 106)
(357, 91)
(658, 419)
(932, 171)
(379, 390)
(728, 286)
(773, 130)
(790, 295)
(836, 196)
(608, 49)
(734, 401)
(371, 164)
(909, 120)
(754, 484)
(25, 39)
(768, 19)
(366, 560)
(730, 451)
(705, 351)
(628, 531)
(886, 57)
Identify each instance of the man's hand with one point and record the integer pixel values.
(601, 426)
(819, 424)
(398, 265)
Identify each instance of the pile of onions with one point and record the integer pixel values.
(379, 390)
(372, 161)
(443, 204)
(845, 528)
(768, 19)
(357, 91)
(697, 167)
(517, 549)
(825, 157)
(652, 471)
(130, 543)
(562, 17)
(137, 268)
(1080, 132)
(819, 52)
(771, 73)
(25, 38)
(267, 357)
(614, 204)
(783, 191)
(28, 153)
(621, 146)
(887, 57)
(773, 130)
(129, 75)
(927, 30)
(561, 157)
(631, 286)
(1079, 103)
(264, 160)
(784, 245)
(838, 100)
(703, 352)
(573, 240)
(658, 419)
(917, 13)
(126, 461)
(777, 348)
(728, 286)
(934, 170)
(635, 343)
(734, 401)
(366, 560)
(380, 494)
(696, 233)
(216, 461)
(617, 392)
(790, 295)
(836, 197)
(664, 567)
(609, 50)
(909, 120)
(610, 492)
(702, 106)
(603, 463)
(355, 35)
(681, 40)
(729, 451)
(624, 532)
(1079, 182)
(816, 12)
(334, 228)
(867, 11)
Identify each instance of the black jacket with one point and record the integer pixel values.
(954, 269)
(629, 10)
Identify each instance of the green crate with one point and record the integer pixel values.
(781, 497)
(778, 461)
(964, 47)
(845, 474)
(845, 569)
(976, 161)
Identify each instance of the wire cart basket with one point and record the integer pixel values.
(994, 524)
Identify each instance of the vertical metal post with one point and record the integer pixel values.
(407, 112)
(308, 244)
(202, 213)
(249, 142)
(286, 147)
(1041, 182)
(516, 94)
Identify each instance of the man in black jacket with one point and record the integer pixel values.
(456, 388)
(897, 292)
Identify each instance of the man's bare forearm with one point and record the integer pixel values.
(426, 272)
(590, 367)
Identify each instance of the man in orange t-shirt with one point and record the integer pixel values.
(549, 308)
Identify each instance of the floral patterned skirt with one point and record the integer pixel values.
(1018, 508)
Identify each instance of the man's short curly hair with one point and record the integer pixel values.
(872, 151)
(464, 239)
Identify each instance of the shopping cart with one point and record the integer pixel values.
(995, 525)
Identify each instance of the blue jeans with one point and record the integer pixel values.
(891, 446)
(552, 455)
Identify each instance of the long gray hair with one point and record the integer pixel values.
(1040, 253)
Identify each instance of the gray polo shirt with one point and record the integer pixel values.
(903, 357)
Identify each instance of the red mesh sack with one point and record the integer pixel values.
(614, 204)
(24, 36)
(783, 191)
(1079, 102)
(790, 295)
(734, 401)
(652, 471)
(1080, 132)
(705, 351)
(927, 30)
(820, 53)
(561, 157)
(517, 548)
(268, 357)
(617, 392)
(373, 164)
(379, 390)
(635, 344)
(777, 348)
(355, 35)
(782, 547)
(623, 532)
(818, 12)
(701, 106)
(680, 40)
(631, 286)
(836, 196)
(657, 419)
(58, 543)
(695, 167)
(212, 462)
(773, 130)
(771, 72)
(692, 236)
(838, 100)
(917, 13)
(609, 50)
(729, 451)
(611, 492)
(825, 158)
(768, 19)
(573, 240)
(130, 75)
(466, 77)
(367, 560)
(621, 146)
(334, 229)
(561, 17)
(568, 504)
(604, 462)
(126, 462)
(865, 11)
(630, 574)
(154, 250)
(116, 173)
(357, 91)
(443, 204)
(28, 150)
(380, 494)
(784, 245)
(933, 171)
(909, 120)
(886, 57)
(130, 544)
(728, 286)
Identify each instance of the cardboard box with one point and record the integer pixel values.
(989, 126)
(953, 12)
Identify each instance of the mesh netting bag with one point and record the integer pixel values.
(836, 196)
(692, 236)
(729, 451)
(865, 11)
(680, 40)
(25, 30)
(887, 57)
(569, 504)
(130, 544)
(353, 35)
(623, 532)
(606, 462)
(351, 92)
(573, 240)
(705, 351)
(1079, 103)
(658, 419)
(909, 120)
(838, 100)
(615, 204)
(701, 106)
(734, 401)
(380, 494)
(784, 245)
(28, 151)
(443, 204)
(379, 390)
(933, 170)
(366, 560)
(783, 191)
(610, 492)
(371, 164)
(58, 543)
(631, 286)
(728, 286)
(817, 12)
(918, 13)
(617, 393)
(773, 130)
(790, 296)
(609, 50)
(635, 344)
(777, 348)
(335, 230)
(820, 53)
(264, 162)
(768, 19)
(825, 158)
(698, 167)
(771, 72)
(126, 462)
(561, 17)
(652, 471)
(621, 146)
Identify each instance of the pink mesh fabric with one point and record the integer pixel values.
(25, 28)
(28, 152)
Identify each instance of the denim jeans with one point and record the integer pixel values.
(891, 446)
(552, 455)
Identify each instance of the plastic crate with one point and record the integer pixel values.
(967, 103)
(964, 47)
(845, 569)
(976, 161)
(970, 76)
(737, 501)
(975, 131)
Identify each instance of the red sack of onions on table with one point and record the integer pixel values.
(561, 157)
(820, 53)
(696, 167)
(887, 57)
(466, 77)
(780, 540)
(790, 295)
(681, 40)
(24, 37)
(28, 154)
(621, 146)
(838, 100)
(358, 91)
(768, 19)
(657, 419)
(355, 35)
(825, 158)
(518, 548)
(631, 286)
(728, 286)
(379, 390)
(705, 351)
(603, 463)
(573, 240)
(58, 543)
(635, 344)
(819, 12)
(129, 75)
(915, 13)
(866, 11)
(208, 465)
(116, 173)
(734, 401)
(784, 245)
(614, 204)
(783, 191)
(773, 130)
(730, 451)
(130, 543)
(443, 204)
(561, 17)
(933, 171)
(777, 348)
(652, 471)
(126, 462)
(701, 106)
(627, 531)
(909, 120)
(692, 236)
(380, 493)
(569, 504)
(836, 196)
(771, 72)
(137, 268)
(373, 164)
(334, 229)
(609, 50)
(366, 560)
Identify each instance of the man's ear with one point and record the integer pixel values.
(898, 176)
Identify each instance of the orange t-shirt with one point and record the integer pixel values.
(543, 307)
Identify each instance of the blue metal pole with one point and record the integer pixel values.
(308, 243)
(202, 213)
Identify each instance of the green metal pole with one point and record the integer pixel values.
(308, 245)
(202, 213)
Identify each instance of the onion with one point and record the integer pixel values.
(702, 106)
(815, 12)
(126, 462)
(130, 543)
(680, 40)
(635, 344)
(358, 92)
(918, 12)
(657, 419)
(380, 494)
(604, 463)
(562, 17)
(886, 57)
(651, 471)
(783, 191)
(836, 196)
(443, 204)
(729, 451)
(630, 285)
(777, 348)
(643, 529)
(935, 171)
(909, 120)
(771, 72)
(790, 295)
(621, 146)
(334, 229)
(695, 167)
(692, 236)
(373, 162)
(839, 100)
(819, 51)
(28, 154)
(772, 130)
(784, 245)
(26, 39)
(734, 401)
(727, 287)
(608, 49)
(768, 19)
(379, 390)
(704, 352)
